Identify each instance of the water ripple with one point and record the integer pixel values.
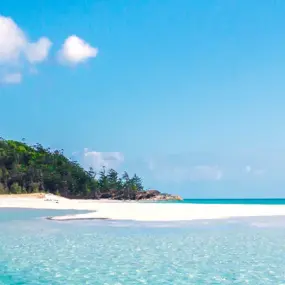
(35, 251)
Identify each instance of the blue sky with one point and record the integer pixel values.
(189, 94)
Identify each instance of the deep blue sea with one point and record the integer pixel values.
(251, 201)
(34, 251)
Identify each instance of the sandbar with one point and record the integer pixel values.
(118, 210)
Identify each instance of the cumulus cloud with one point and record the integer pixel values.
(16, 49)
(12, 78)
(14, 43)
(12, 40)
(38, 51)
(97, 159)
(75, 50)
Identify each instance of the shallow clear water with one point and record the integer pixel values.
(238, 251)
(248, 201)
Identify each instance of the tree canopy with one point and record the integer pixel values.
(31, 169)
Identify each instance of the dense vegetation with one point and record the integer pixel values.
(31, 169)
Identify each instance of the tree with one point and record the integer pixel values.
(25, 168)
(136, 183)
(2, 189)
(126, 184)
(91, 173)
(103, 180)
(112, 178)
(15, 188)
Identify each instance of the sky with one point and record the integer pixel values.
(188, 94)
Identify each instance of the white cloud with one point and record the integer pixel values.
(38, 51)
(16, 50)
(76, 50)
(12, 78)
(12, 40)
(14, 43)
(97, 159)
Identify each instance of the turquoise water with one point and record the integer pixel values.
(237, 251)
(256, 201)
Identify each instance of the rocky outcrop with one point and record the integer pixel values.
(168, 197)
(155, 195)
(151, 195)
(145, 195)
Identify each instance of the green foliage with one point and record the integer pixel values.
(32, 169)
(34, 187)
(2, 189)
(15, 188)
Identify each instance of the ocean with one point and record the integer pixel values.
(249, 201)
(236, 251)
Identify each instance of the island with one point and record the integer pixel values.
(26, 169)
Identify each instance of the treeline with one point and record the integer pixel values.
(32, 169)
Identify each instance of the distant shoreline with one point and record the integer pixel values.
(137, 211)
(43, 195)
(265, 201)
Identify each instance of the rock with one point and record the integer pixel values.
(146, 194)
(152, 195)
(156, 196)
(168, 197)
(106, 196)
(153, 192)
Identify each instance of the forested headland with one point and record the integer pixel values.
(33, 169)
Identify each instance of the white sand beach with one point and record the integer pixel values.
(117, 210)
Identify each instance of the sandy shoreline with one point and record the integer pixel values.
(117, 210)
